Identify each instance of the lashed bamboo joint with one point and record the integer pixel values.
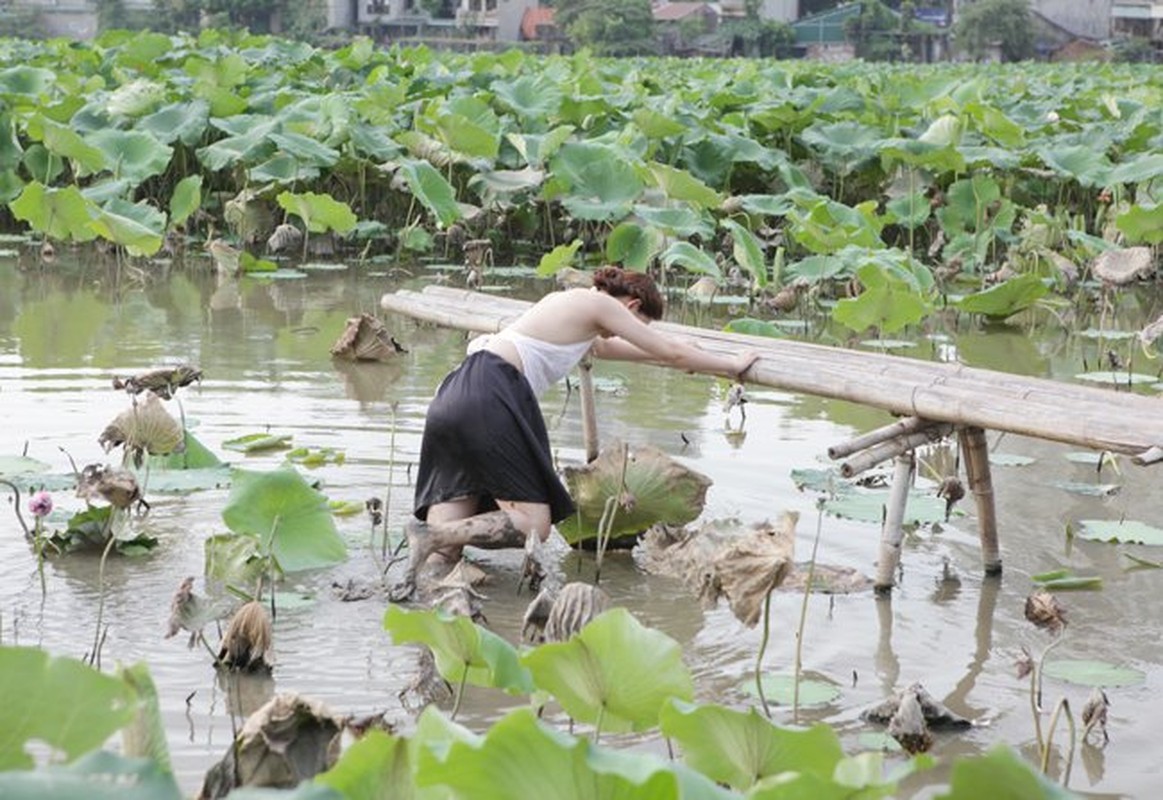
(935, 398)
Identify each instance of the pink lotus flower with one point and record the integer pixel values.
(40, 504)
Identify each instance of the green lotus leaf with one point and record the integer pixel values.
(534, 98)
(681, 186)
(464, 651)
(845, 145)
(1142, 223)
(287, 515)
(1001, 773)
(755, 327)
(740, 748)
(38, 161)
(1084, 163)
(61, 214)
(868, 506)
(135, 98)
(376, 766)
(135, 155)
(522, 758)
(602, 183)
(830, 226)
(145, 735)
(282, 168)
(690, 258)
(910, 211)
(138, 227)
(186, 199)
(252, 147)
(615, 672)
(1127, 531)
(232, 559)
(887, 304)
(748, 252)
(537, 149)
(680, 222)
(59, 701)
(633, 246)
(432, 190)
(11, 466)
(143, 50)
(30, 82)
(374, 142)
(505, 182)
(1137, 169)
(304, 149)
(558, 258)
(1006, 298)
(68, 144)
(320, 212)
(656, 125)
(779, 688)
(185, 122)
(99, 775)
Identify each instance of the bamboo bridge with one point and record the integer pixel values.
(933, 399)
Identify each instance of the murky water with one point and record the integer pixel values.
(67, 330)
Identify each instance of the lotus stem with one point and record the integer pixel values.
(1062, 706)
(95, 659)
(606, 524)
(1042, 660)
(598, 723)
(388, 490)
(16, 507)
(459, 692)
(795, 706)
(762, 650)
(1034, 710)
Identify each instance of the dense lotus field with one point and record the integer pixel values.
(904, 183)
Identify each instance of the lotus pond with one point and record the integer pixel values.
(263, 344)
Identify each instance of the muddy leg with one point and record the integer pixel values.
(491, 531)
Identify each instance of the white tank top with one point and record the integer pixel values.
(543, 363)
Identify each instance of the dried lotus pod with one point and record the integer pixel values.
(1044, 610)
(366, 339)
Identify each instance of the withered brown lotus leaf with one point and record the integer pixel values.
(1094, 714)
(162, 382)
(366, 339)
(1044, 610)
(146, 427)
(118, 487)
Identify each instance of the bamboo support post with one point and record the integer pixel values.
(589, 414)
(898, 428)
(975, 453)
(892, 448)
(893, 532)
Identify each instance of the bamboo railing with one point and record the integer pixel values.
(1087, 416)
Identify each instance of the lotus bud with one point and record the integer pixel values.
(40, 504)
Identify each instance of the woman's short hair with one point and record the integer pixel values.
(618, 282)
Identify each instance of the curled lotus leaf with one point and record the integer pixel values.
(366, 339)
(145, 427)
(1123, 266)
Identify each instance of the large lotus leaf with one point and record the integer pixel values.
(432, 189)
(375, 767)
(1142, 223)
(186, 199)
(68, 144)
(845, 145)
(910, 210)
(558, 258)
(11, 151)
(142, 51)
(373, 142)
(463, 135)
(61, 214)
(135, 155)
(830, 226)
(1084, 163)
(135, 98)
(1085, 672)
(464, 651)
(320, 212)
(505, 182)
(681, 222)
(740, 748)
(537, 149)
(602, 183)
(138, 227)
(657, 489)
(38, 161)
(534, 98)
(690, 258)
(748, 252)
(305, 150)
(522, 758)
(1119, 530)
(615, 672)
(282, 168)
(232, 559)
(633, 246)
(1001, 775)
(656, 125)
(97, 776)
(994, 124)
(30, 82)
(887, 303)
(59, 701)
(966, 202)
(1006, 298)
(287, 515)
(1137, 168)
(185, 122)
(252, 147)
(145, 735)
(680, 185)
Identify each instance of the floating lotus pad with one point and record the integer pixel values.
(1115, 531)
(1086, 672)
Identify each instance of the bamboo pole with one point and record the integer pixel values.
(893, 531)
(893, 448)
(1084, 416)
(588, 412)
(898, 428)
(975, 453)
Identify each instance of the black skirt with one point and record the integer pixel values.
(484, 436)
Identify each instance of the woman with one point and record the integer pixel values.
(486, 475)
